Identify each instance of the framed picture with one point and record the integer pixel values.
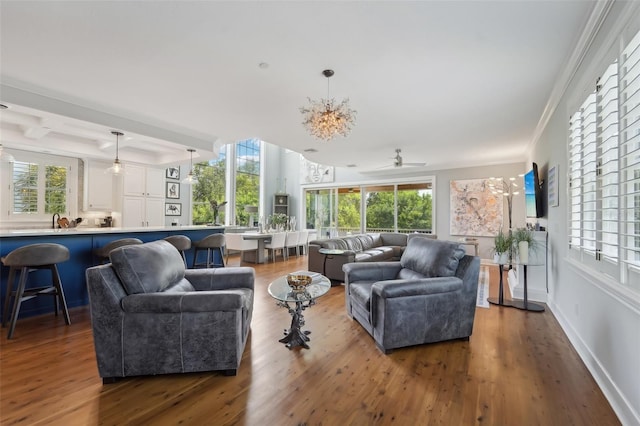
(173, 209)
(173, 172)
(552, 186)
(173, 190)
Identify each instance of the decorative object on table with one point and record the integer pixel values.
(506, 188)
(191, 178)
(311, 172)
(173, 190)
(475, 209)
(215, 208)
(325, 119)
(173, 209)
(502, 244)
(116, 168)
(298, 282)
(252, 210)
(523, 243)
(552, 186)
(278, 221)
(173, 172)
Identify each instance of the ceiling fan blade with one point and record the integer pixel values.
(413, 164)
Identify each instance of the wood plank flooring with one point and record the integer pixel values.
(517, 369)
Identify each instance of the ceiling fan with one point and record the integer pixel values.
(398, 162)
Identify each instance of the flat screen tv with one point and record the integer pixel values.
(533, 193)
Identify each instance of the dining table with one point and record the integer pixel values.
(258, 255)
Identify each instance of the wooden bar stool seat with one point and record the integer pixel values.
(28, 259)
(210, 243)
(182, 243)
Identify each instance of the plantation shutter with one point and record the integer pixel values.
(630, 156)
(607, 107)
(589, 175)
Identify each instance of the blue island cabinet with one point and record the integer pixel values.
(81, 244)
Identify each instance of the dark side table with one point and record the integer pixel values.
(327, 253)
(523, 304)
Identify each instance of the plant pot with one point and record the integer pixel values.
(523, 252)
(501, 258)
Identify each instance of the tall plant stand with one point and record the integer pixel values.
(523, 304)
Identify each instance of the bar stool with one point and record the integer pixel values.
(210, 243)
(182, 243)
(102, 253)
(28, 259)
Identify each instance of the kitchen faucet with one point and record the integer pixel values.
(53, 220)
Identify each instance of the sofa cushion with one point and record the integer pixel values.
(432, 258)
(149, 268)
(361, 293)
(353, 243)
(393, 239)
(366, 241)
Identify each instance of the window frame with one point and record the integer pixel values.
(42, 160)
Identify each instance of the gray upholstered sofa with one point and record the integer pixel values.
(429, 295)
(151, 316)
(370, 247)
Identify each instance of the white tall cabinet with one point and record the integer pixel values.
(143, 196)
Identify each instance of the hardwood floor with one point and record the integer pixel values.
(517, 369)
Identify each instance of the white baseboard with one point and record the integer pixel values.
(623, 408)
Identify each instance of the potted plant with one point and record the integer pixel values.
(278, 220)
(501, 248)
(523, 242)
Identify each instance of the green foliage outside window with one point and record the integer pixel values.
(210, 187)
(55, 193)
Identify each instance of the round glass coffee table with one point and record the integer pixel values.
(299, 300)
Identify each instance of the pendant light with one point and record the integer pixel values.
(117, 166)
(190, 179)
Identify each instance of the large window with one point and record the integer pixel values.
(40, 186)
(247, 179)
(604, 172)
(401, 207)
(210, 190)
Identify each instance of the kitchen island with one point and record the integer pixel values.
(81, 243)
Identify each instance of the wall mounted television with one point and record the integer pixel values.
(533, 193)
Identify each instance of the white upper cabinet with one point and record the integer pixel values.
(98, 186)
(143, 181)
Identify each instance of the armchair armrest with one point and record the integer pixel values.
(371, 271)
(221, 278)
(200, 301)
(422, 287)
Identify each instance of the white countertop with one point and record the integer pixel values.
(90, 231)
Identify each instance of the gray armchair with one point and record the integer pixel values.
(427, 296)
(151, 316)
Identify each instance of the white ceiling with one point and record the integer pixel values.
(451, 83)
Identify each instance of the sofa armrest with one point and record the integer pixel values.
(422, 287)
(221, 278)
(200, 301)
(370, 271)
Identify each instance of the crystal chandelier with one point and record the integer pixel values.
(325, 118)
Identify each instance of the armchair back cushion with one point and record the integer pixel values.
(150, 268)
(431, 258)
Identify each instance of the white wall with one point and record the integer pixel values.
(602, 324)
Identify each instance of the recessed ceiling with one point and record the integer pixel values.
(451, 83)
